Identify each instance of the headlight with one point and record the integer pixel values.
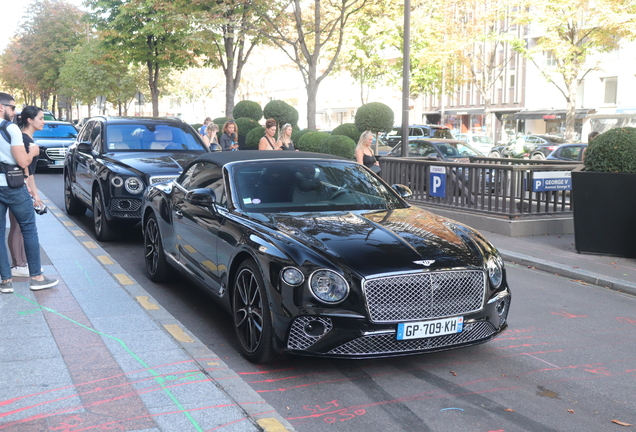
(328, 286)
(292, 276)
(495, 270)
(134, 185)
(117, 181)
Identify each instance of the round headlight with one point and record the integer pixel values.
(292, 276)
(134, 185)
(495, 270)
(117, 181)
(328, 286)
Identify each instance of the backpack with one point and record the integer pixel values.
(3, 130)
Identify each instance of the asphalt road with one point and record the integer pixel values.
(567, 363)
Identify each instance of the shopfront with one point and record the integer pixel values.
(552, 122)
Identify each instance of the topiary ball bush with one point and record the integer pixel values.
(339, 145)
(220, 121)
(245, 125)
(348, 129)
(249, 109)
(253, 137)
(298, 133)
(281, 111)
(612, 151)
(312, 141)
(375, 117)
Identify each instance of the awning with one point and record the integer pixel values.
(551, 114)
(465, 111)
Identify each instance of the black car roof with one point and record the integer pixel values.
(225, 157)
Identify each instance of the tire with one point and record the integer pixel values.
(157, 266)
(538, 156)
(251, 314)
(104, 229)
(494, 154)
(74, 207)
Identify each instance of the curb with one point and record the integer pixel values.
(234, 387)
(568, 272)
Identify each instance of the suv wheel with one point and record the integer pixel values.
(104, 230)
(74, 207)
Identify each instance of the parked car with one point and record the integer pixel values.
(418, 131)
(482, 143)
(314, 254)
(54, 140)
(442, 149)
(568, 152)
(534, 147)
(114, 159)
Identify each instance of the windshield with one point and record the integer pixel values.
(482, 139)
(309, 185)
(56, 131)
(151, 136)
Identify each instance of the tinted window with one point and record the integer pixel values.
(209, 176)
(56, 131)
(422, 149)
(86, 132)
(96, 135)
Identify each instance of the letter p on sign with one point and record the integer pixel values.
(437, 182)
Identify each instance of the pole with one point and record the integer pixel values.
(406, 70)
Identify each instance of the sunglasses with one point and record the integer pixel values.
(12, 106)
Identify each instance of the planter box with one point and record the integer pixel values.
(604, 207)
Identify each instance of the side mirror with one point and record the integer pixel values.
(84, 147)
(201, 197)
(403, 191)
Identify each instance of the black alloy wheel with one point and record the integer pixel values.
(104, 230)
(157, 266)
(74, 207)
(252, 321)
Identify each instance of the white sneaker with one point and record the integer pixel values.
(20, 271)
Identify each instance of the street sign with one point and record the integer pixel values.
(437, 182)
(544, 181)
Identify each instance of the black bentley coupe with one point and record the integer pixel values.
(313, 254)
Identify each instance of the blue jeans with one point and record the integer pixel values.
(20, 203)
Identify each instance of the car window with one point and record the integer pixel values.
(482, 139)
(422, 149)
(570, 153)
(56, 131)
(557, 140)
(85, 133)
(419, 132)
(151, 136)
(442, 133)
(210, 176)
(278, 186)
(186, 177)
(96, 138)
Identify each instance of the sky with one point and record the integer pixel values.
(12, 13)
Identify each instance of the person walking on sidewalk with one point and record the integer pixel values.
(18, 200)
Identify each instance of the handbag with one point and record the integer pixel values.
(14, 174)
(375, 168)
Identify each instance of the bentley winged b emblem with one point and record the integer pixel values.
(425, 262)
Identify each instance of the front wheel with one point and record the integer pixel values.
(104, 229)
(157, 267)
(74, 207)
(538, 156)
(252, 319)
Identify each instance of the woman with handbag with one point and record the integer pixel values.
(364, 153)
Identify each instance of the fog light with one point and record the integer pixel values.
(314, 328)
(292, 276)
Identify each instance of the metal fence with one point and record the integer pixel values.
(498, 186)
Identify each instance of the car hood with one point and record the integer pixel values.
(153, 163)
(54, 142)
(379, 242)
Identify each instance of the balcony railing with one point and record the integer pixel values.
(495, 186)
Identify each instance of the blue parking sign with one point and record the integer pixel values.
(437, 182)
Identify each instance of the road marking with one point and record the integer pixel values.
(68, 223)
(271, 425)
(105, 259)
(90, 245)
(124, 279)
(143, 300)
(178, 333)
(59, 214)
(78, 233)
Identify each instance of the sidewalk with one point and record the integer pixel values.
(97, 353)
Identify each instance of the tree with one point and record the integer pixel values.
(375, 117)
(572, 31)
(154, 33)
(311, 36)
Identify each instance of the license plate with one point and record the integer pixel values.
(424, 329)
(59, 162)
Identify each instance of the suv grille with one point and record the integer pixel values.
(425, 295)
(56, 153)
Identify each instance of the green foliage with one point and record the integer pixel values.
(245, 125)
(312, 141)
(253, 137)
(612, 151)
(249, 109)
(347, 129)
(339, 145)
(298, 133)
(375, 117)
(220, 121)
(281, 111)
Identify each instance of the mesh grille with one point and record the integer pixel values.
(386, 343)
(125, 205)
(56, 153)
(298, 339)
(161, 179)
(425, 295)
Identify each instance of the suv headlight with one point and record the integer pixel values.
(134, 185)
(328, 286)
(495, 270)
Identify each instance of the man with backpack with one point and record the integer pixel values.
(15, 197)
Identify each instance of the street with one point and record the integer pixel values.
(566, 363)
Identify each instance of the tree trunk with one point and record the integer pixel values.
(570, 114)
(153, 83)
(230, 91)
(488, 118)
(312, 91)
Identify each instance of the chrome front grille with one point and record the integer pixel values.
(56, 153)
(387, 343)
(425, 295)
(161, 179)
